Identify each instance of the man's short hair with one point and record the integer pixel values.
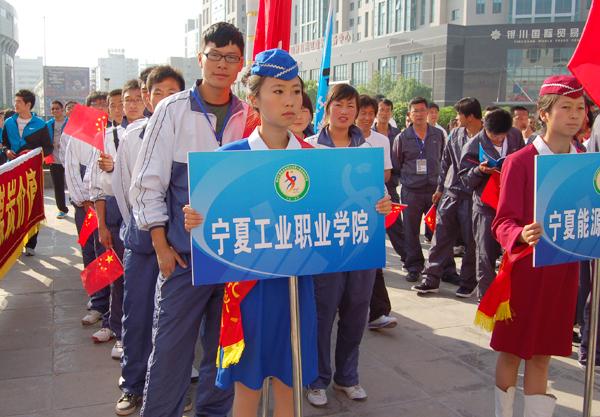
(498, 121)
(223, 34)
(133, 84)
(58, 103)
(27, 96)
(468, 106)
(161, 73)
(433, 105)
(365, 100)
(491, 108)
(387, 102)
(417, 100)
(70, 102)
(94, 96)
(115, 92)
(145, 73)
(513, 109)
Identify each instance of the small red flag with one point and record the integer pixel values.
(49, 160)
(273, 26)
(102, 272)
(585, 62)
(252, 122)
(90, 224)
(87, 124)
(391, 218)
(430, 218)
(491, 192)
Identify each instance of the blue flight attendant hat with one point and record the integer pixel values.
(275, 63)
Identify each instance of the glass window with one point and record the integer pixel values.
(527, 68)
(523, 20)
(340, 72)
(351, 6)
(359, 73)
(431, 7)
(387, 65)
(366, 24)
(381, 19)
(523, 6)
(411, 66)
(497, 6)
(358, 20)
(422, 16)
(389, 15)
(398, 17)
(480, 7)
(314, 74)
(563, 6)
(563, 19)
(542, 20)
(543, 6)
(351, 23)
(455, 15)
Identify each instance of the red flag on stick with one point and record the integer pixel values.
(102, 272)
(273, 25)
(87, 124)
(585, 62)
(391, 218)
(430, 218)
(491, 192)
(90, 224)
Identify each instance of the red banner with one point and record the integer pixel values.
(21, 205)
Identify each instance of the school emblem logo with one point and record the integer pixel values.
(292, 182)
(597, 181)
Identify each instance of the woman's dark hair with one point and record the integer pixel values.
(367, 101)
(341, 92)
(307, 103)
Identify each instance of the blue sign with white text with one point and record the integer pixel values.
(567, 206)
(275, 213)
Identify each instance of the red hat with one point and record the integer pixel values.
(563, 85)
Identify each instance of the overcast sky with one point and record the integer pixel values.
(80, 31)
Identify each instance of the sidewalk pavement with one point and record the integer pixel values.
(435, 363)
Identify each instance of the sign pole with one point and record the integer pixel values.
(265, 397)
(588, 396)
(296, 347)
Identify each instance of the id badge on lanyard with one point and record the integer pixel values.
(218, 135)
(421, 162)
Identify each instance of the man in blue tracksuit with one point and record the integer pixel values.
(199, 119)
(22, 132)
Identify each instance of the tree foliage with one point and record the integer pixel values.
(446, 114)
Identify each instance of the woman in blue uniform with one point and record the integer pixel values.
(275, 92)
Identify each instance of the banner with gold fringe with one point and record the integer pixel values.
(21, 205)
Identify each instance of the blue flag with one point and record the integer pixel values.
(325, 70)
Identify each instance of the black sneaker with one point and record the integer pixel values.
(424, 288)
(413, 276)
(127, 404)
(464, 292)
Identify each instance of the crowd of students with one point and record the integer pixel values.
(139, 189)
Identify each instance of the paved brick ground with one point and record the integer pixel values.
(435, 363)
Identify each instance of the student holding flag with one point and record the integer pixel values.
(542, 300)
(199, 119)
(481, 156)
(346, 293)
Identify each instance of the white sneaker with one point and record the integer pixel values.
(117, 350)
(383, 322)
(103, 335)
(120, 382)
(316, 397)
(355, 392)
(92, 317)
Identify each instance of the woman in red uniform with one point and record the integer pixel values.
(542, 300)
